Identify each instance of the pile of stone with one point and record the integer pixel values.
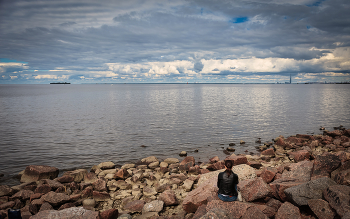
(302, 176)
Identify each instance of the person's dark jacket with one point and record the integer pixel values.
(227, 184)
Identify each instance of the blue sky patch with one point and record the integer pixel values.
(315, 4)
(238, 20)
(9, 60)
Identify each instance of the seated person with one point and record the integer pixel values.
(227, 183)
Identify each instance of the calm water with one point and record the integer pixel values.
(77, 126)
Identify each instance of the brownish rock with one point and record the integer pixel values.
(216, 166)
(33, 209)
(69, 213)
(324, 164)
(90, 178)
(169, 198)
(35, 196)
(187, 163)
(22, 195)
(334, 133)
(135, 206)
(235, 208)
(237, 160)
(267, 210)
(194, 170)
(278, 187)
(5, 190)
(214, 159)
(67, 205)
(65, 179)
(74, 197)
(38, 172)
(87, 192)
(274, 203)
(338, 197)
(53, 184)
(45, 206)
(268, 174)
(100, 185)
(121, 174)
(300, 155)
(301, 171)
(200, 212)
(255, 164)
(295, 140)
(253, 189)
(268, 152)
(101, 196)
(45, 188)
(253, 212)
(280, 141)
(78, 175)
(203, 171)
(109, 214)
(56, 199)
(321, 208)
(288, 211)
(7, 205)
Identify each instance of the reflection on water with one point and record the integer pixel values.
(74, 126)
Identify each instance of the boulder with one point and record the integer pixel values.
(101, 196)
(216, 166)
(268, 152)
(299, 155)
(45, 206)
(135, 206)
(301, 171)
(106, 165)
(236, 208)
(22, 195)
(278, 186)
(287, 211)
(65, 179)
(149, 160)
(237, 160)
(5, 190)
(334, 133)
(169, 198)
(321, 208)
(338, 197)
(37, 172)
(324, 164)
(187, 163)
(253, 212)
(109, 214)
(301, 194)
(69, 213)
(78, 175)
(214, 159)
(342, 174)
(45, 188)
(253, 189)
(268, 174)
(53, 184)
(56, 199)
(100, 185)
(153, 206)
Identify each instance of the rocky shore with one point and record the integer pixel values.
(302, 176)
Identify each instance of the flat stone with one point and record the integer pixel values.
(278, 186)
(106, 165)
(78, 175)
(38, 172)
(301, 194)
(153, 206)
(69, 213)
(253, 189)
(128, 166)
(45, 188)
(288, 211)
(153, 165)
(171, 160)
(236, 208)
(135, 206)
(237, 160)
(56, 198)
(321, 208)
(301, 171)
(101, 196)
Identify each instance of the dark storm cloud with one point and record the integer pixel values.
(150, 39)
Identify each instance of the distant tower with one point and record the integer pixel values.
(290, 79)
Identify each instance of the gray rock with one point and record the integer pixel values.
(153, 206)
(301, 194)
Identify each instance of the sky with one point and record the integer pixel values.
(174, 41)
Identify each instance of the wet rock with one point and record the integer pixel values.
(22, 195)
(5, 190)
(268, 174)
(56, 199)
(135, 206)
(253, 212)
(45, 206)
(106, 165)
(171, 161)
(287, 211)
(100, 185)
(183, 153)
(299, 155)
(231, 149)
(101, 196)
(321, 208)
(187, 163)
(278, 187)
(38, 172)
(253, 189)
(69, 213)
(169, 198)
(242, 142)
(237, 160)
(45, 188)
(324, 164)
(216, 166)
(338, 197)
(153, 206)
(109, 214)
(301, 171)
(299, 195)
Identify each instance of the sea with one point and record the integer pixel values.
(71, 126)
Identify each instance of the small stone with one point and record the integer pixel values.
(171, 161)
(242, 142)
(65, 179)
(149, 191)
(168, 197)
(154, 206)
(183, 153)
(89, 203)
(109, 214)
(187, 185)
(106, 165)
(153, 165)
(100, 185)
(230, 149)
(101, 196)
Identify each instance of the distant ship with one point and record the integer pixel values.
(59, 83)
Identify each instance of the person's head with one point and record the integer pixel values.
(229, 164)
